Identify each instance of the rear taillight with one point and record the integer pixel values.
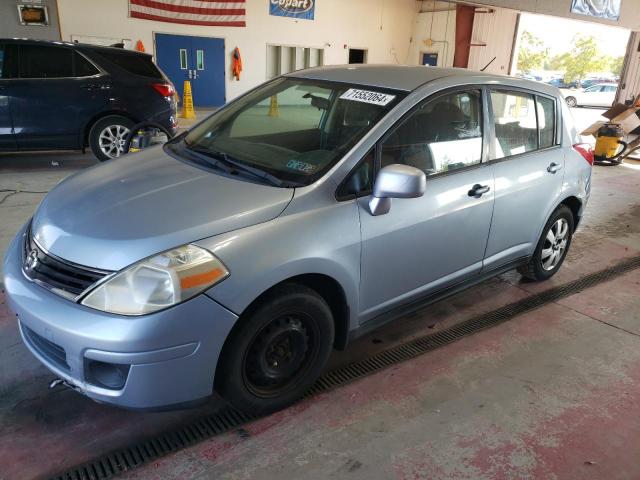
(585, 150)
(164, 89)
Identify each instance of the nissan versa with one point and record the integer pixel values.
(306, 212)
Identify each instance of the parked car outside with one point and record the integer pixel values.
(241, 252)
(560, 83)
(593, 81)
(69, 96)
(599, 95)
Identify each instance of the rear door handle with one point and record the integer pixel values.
(478, 190)
(554, 167)
(96, 86)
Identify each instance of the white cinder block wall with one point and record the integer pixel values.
(383, 27)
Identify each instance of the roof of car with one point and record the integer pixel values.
(86, 46)
(399, 77)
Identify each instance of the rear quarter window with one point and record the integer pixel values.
(141, 65)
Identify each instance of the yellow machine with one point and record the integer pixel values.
(608, 141)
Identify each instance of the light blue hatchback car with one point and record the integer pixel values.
(303, 214)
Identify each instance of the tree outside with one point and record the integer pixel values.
(584, 58)
(532, 53)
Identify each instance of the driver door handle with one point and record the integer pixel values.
(554, 167)
(478, 190)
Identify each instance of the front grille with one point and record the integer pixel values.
(49, 350)
(61, 277)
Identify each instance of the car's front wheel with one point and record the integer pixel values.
(571, 101)
(277, 351)
(552, 247)
(108, 136)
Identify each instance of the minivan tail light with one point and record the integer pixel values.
(586, 151)
(164, 89)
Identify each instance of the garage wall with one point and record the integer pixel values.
(10, 27)
(629, 11)
(440, 28)
(381, 26)
(496, 30)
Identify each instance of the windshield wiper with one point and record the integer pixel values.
(231, 165)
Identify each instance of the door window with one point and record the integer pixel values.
(83, 67)
(514, 116)
(200, 59)
(442, 135)
(360, 180)
(546, 121)
(45, 62)
(184, 64)
(8, 61)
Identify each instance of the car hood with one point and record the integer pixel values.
(114, 214)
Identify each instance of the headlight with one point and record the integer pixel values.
(158, 282)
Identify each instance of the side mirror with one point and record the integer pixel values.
(396, 181)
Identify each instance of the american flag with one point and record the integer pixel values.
(224, 13)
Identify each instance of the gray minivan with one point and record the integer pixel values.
(303, 214)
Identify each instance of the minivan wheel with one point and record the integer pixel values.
(277, 352)
(552, 247)
(571, 101)
(108, 136)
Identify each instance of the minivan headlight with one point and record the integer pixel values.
(158, 282)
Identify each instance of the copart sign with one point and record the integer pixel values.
(293, 8)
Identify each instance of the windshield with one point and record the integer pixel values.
(292, 129)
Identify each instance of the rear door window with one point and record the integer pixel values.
(546, 121)
(514, 117)
(82, 66)
(38, 61)
(133, 63)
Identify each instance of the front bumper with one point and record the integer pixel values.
(168, 358)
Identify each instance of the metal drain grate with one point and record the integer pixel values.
(209, 426)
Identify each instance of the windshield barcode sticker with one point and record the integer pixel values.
(366, 96)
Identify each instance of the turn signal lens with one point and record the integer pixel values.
(158, 282)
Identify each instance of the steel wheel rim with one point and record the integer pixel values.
(112, 140)
(259, 374)
(555, 244)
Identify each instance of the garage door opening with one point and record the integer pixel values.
(583, 59)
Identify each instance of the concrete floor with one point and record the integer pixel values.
(550, 394)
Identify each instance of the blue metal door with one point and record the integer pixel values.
(209, 65)
(197, 59)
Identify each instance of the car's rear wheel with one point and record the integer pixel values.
(552, 247)
(108, 136)
(277, 351)
(571, 101)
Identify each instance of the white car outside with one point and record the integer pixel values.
(599, 95)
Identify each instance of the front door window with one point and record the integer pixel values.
(442, 135)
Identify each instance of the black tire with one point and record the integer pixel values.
(571, 101)
(121, 124)
(249, 376)
(535, 269)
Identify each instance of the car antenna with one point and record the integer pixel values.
(485, 67)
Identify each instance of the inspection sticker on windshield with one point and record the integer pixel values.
(301, 166)
(366, 96)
